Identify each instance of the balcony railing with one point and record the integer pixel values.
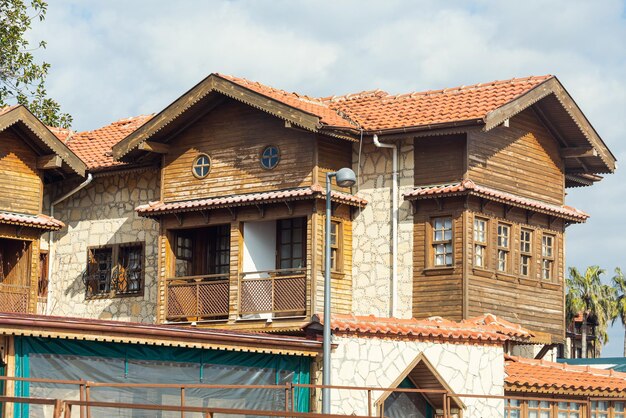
(201, 297)
(14, 298)
(273, 291)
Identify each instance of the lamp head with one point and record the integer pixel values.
(345, 177)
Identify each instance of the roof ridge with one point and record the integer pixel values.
(461, 88)
(302, 97)
(353, 96)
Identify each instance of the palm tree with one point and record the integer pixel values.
(619, 281)
(587, 295)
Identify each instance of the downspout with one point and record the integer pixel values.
(393, 302)
(51, 233)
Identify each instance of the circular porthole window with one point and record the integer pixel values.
(201, 166)
(270, 157)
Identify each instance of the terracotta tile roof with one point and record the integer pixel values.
(300, 193)
(500, 325)
(94, 147)
(312, 105)
(557, 378)
(494, 330)
(467, 186)
(377, 110)
(35, 221)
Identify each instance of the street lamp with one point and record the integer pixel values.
(344, 177)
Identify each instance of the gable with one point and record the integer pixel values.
(522, 159)
(43, 142)
(561, 116)
(233, 136)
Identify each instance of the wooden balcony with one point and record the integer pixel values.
(14, 298)
(197, 297)
(207, 297)
(275, 291)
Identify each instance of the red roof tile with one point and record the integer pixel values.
(467, 186)
(547, 377)
(311, 105)
(500, 325)
(493, 330)
(378, 110)
(35, 221)
(300, 193)
(94, 147)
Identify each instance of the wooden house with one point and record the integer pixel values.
(242, 170)
(240, 207)
(30, 156)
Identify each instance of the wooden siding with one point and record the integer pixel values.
(341, 281)
(465, 290)
(21, 185)
(522, 159)
(439, 159)
(234, 135)
(532, 302)
(437, 291)
(29, 264)
(332, 154)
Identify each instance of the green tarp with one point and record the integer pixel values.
(130, 363)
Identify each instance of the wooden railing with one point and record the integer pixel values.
(14, 298)
(275, 291)
(198, 297)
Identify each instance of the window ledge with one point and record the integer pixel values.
(483, 272)
(434, 271)
(550, 285)
(507, 277)
(529, 282)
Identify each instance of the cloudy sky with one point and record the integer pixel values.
(112, 59)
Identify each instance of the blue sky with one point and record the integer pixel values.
(112, 59)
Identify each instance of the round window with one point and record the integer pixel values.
(270, 157)
(201, 166)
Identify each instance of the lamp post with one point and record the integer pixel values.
(344, 177)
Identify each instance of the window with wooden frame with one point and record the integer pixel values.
(525, 248)
(184, 247)
(442, 241)
(219, 249)
(129, 277)
(568, 410)
(115, 270)
(480, 242)
(607, 409)
(547, 256)
(291, 251)
(513, 408)
(504, 247)
(336, 244)
(42, 283)
(539, 409)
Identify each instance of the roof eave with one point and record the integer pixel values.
(44, 135)
(552, 86)
(216, 83)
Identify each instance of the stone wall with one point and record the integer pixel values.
(103, 214)
(371, 231)
(376, 362)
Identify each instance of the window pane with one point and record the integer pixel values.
(447, 234)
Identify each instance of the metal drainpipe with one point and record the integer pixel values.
(393, 302)
(51, 233)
